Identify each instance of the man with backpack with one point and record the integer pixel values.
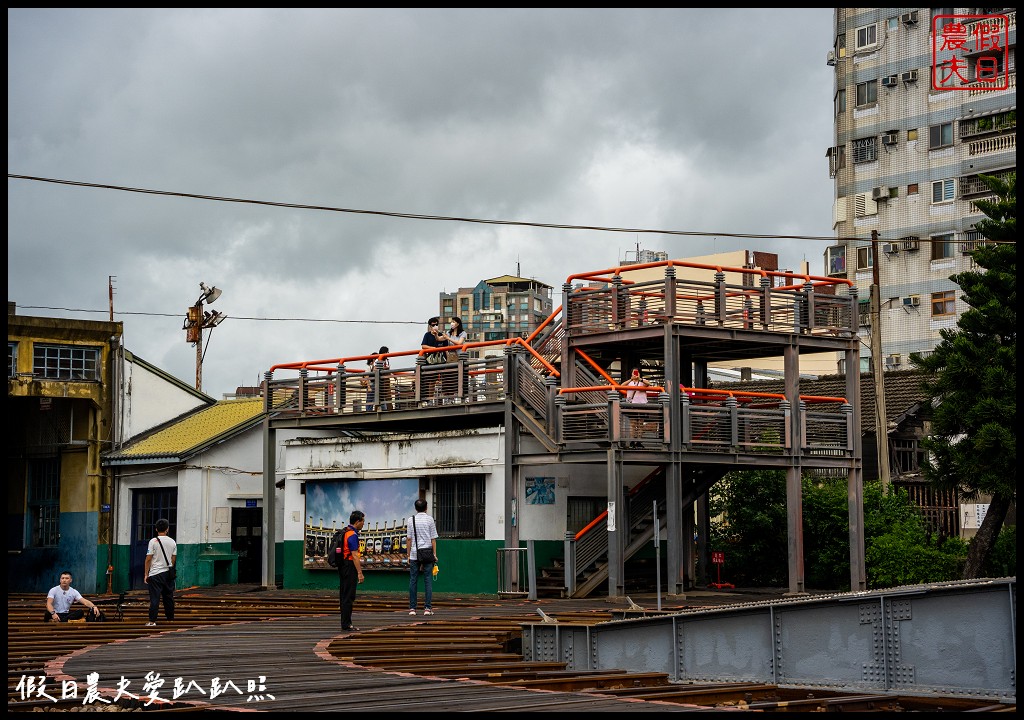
(344, 555)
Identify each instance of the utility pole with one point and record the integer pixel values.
(196, 320)
(878, 372)
(110, 294)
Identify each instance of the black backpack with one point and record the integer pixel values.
(337, 550)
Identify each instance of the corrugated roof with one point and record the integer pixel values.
(902, 392)
(187, 436)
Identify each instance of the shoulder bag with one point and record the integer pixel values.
(424, 555)
(174, 573)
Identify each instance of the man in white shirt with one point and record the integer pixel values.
(421, 533)
(159, 575)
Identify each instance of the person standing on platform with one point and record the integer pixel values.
(160, 572)
(421, 534)
(637, 395)
(433, 338)
(350, 568)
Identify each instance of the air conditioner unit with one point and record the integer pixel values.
(911, 243)
(890, 248)
(909, 18)
(892, 361)
(890, 138)
(912, 301)
(891, 80)
(909, 76)
(831, 59)
(879, 193)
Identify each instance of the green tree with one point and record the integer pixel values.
(972, 378)
(750, 526)
(899, 549)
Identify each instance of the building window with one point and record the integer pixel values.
(942, 191)
(836, 159)
(841, 101)
(944, 303)
(459, 506)
(939, 24)
(865, 150)
(942, 246)
(865, 258)
(867, 37)
(864, 312)
(892, 24)
(940, 136)
(43, 502)
(841, 45)
(867, 93)
(835, 260)
(912, 189)
(12, 359)
(912, 134)
(66, 362)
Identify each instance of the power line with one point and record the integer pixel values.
(233, 317)
(419, 216)
(480, 221)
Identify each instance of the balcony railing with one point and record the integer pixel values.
(804, 305)
(999, 143)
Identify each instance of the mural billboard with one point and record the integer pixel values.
(387, 505)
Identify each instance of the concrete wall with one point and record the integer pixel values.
(148, 399)
(468, 565)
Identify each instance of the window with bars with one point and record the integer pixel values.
(865, 149)
(864, 312)
(66, 362)
(836, 159)
(12, 359)
(150, 506)
(970, 240)
(581, 511)
(458, 502)
(43, 502)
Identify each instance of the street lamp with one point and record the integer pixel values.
(197, 320)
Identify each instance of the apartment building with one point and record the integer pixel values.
(61, 405)
(925, 102)
(502, 307)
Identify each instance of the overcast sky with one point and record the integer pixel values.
(702, 120)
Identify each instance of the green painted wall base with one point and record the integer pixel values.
(464, 566)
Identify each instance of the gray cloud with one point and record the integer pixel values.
(708, 120)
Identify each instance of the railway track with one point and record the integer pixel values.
(469, 657)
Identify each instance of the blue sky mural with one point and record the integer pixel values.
(383, 501)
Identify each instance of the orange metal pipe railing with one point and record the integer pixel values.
(704, 392)
(330, 365)
(601, 275)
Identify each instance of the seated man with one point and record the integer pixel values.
(61, 597)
